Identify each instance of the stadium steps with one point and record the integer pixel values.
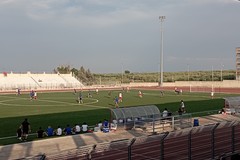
(61, 144)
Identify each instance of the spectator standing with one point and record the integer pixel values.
(182, 105)
(26, 129)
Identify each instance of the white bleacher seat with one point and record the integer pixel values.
(12, 81)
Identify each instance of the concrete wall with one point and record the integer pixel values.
(209, 84)
(215, 84)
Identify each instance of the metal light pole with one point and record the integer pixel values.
(189, 78)
(212, 78)
(161, 18)
(212, 73)
(221, 72)
(122, 73)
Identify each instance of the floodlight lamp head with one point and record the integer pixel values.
(162, 17)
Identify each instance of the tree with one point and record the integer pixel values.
(81, 74)
(126, 71)
(89, 75)
(74, 71)
(63, 69)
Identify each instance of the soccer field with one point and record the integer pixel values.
(61, 108)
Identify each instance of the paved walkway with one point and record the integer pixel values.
(217, 118)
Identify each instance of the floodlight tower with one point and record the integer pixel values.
(122, 73)
(161, 18)
(221, 72)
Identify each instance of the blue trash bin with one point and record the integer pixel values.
(195, 122)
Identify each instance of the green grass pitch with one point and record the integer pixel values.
(61, 108)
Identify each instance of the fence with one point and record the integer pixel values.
(215, 141)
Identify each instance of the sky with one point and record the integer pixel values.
(111, 36)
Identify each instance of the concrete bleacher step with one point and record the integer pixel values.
(29, 81)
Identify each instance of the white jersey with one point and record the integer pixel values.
(182, 104)
(212, 94)
(78, 129)
(120, 95)
(59, 132)
(84, 127)
(165, 113)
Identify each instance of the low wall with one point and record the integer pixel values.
(214, 84)
(209, 84)
(184, 85)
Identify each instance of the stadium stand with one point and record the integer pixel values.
(71, 81)
(29, 81)
(213, 141)
(120, 149)
(80, 154)
(13, 81)
(145, 147)
(223, 138)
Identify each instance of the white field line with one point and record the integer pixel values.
(45, 100)
(16, 136)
